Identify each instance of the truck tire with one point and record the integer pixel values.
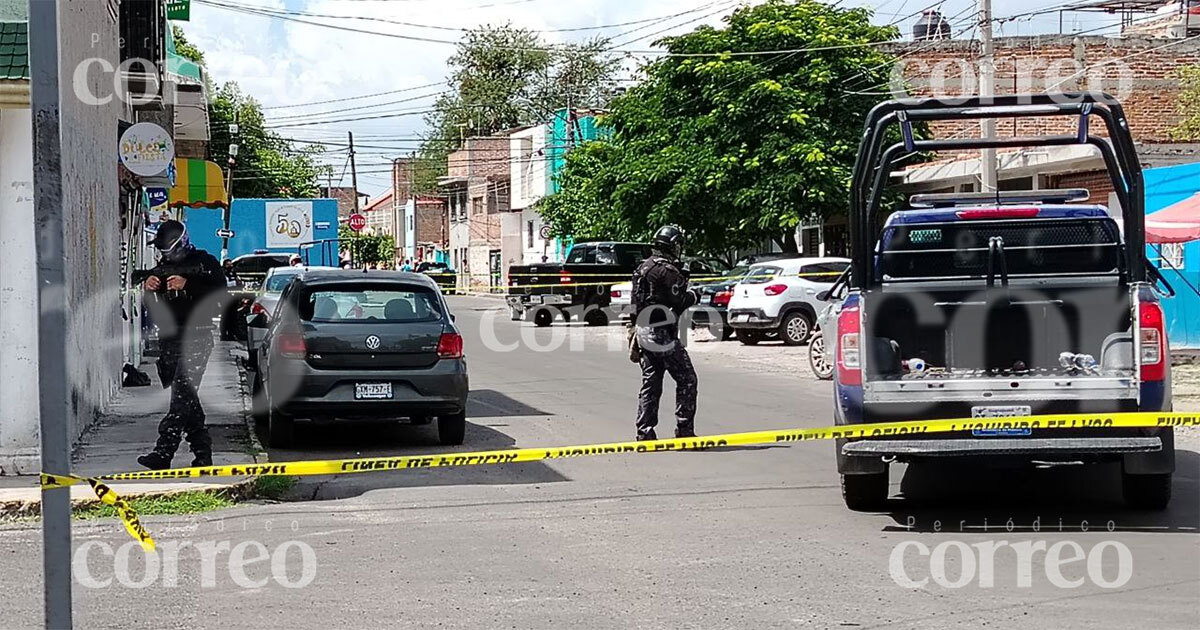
(865, 493)
(795, 328)
(452, 429)
(596, 317)
(749, 337)
(543, 317)
(1147, 492)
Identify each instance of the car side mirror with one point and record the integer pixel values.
(259, 320)
(823, 296)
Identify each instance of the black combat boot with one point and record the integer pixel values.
(648, 436)
(155, 460)
(202, 460)
(685, 431)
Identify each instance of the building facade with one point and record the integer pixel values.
(477, 189)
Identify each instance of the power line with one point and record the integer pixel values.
(355, 98)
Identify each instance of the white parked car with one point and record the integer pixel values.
(779, 298)
(621, 296)
(265, 304)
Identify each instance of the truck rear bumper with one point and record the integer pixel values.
(1002, 446)
(530, 301)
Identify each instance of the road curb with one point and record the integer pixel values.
(260, 453)
(13, 509)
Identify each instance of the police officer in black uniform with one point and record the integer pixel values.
(660, 297)
(183, 283)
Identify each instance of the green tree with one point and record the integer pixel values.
(735, 148)
(503, 77)
(184, 48)
(366, 248)
(1188, 128)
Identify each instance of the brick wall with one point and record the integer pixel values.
(345, 199)
(481, 157)
(1095, 182)
(1140, 70)
(431, 222)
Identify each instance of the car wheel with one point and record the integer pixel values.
(281, 429)
(749, 337)
(794, 329)
(258, 400)
(596, 317)
(865, 493)
(452, 429)
(543, 317)
(821, 366)
(1147, 492)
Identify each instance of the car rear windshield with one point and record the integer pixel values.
(370, 303)
(277, 282)
(761, 275)
(1045, 247)
(823, 272)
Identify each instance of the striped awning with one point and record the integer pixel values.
(198, 184)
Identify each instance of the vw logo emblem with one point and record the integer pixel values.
(373, 342)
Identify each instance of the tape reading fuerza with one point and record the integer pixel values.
(490, 458)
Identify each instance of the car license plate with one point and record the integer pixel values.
(1001, 411)
(706, 299)
(741, 318)
(373, 391)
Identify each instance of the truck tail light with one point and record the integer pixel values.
(1152, 341)
(722, 298)
(849, 351)
(291, 345)
(564, 278)
(998, 213)
(615, 293)
(775, 289)
(450, 346)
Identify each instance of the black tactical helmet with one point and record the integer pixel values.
(670, 240)
(171, 240)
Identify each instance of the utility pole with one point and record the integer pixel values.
(353, 171)
(987, 89)
(45, 99)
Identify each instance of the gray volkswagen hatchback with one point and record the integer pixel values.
(352, 345)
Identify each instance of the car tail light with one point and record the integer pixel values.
(1152, 341)
(614, 293)
(998, 213)
(849, 351)
(564, 278)
(259, 309)
(450, 346)
(722, 298)
(291, 345)
(775, 289)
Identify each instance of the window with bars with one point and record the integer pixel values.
(1169, 256)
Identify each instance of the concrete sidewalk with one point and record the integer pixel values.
(130, 427)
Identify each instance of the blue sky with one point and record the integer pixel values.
(285, 63)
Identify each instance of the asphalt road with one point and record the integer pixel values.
(752, 537)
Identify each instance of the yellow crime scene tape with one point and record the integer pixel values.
(511, 456)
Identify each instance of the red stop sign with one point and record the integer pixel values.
(357, 222)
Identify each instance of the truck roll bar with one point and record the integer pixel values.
(874, 164)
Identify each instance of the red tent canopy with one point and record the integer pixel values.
(1177, 223)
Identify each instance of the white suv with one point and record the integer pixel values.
(779, 298)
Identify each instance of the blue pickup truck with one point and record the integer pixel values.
(993, 305)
